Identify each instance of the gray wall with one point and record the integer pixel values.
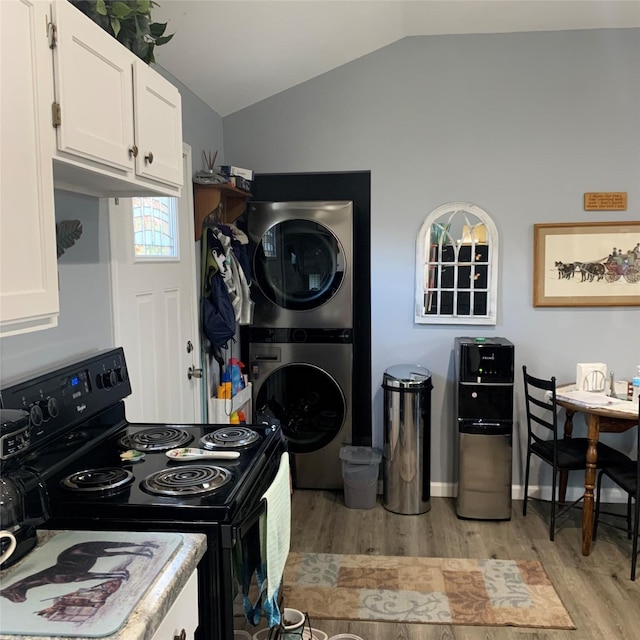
(201, 126)
(519, 124)
(85, 322)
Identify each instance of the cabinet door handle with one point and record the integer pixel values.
(149, 157)
(181, 636)
(133, 151)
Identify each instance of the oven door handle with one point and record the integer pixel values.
(250, 520)
(232, 534)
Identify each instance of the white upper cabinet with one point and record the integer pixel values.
(94, 90)
(119, 123)
(158, 126)
(28, 262)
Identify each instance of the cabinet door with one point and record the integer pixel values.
(158, 126)
(183, 615)
(93, 78)
(28, 264)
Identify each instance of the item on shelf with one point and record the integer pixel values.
(209, 177)
(240, 183)
(237, 380)
(224, 388)
(230, 170)
(221, 408)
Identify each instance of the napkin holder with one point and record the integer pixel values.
(591, 376)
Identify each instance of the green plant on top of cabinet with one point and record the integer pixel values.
(118, 122)
(28, 267)
(129, 21)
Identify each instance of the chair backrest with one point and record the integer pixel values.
(540, 402)
(638, 457)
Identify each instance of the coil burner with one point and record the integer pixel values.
(190, 480)
(230, 438)
(156, 439)
(107, 479)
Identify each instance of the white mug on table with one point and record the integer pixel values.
(12, 545)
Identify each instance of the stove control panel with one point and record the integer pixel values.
(14, 432)
(60, 399)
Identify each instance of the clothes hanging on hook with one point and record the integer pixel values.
(234, 276)
(239, 246)
(218, 316)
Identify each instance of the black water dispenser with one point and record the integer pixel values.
(484, 410)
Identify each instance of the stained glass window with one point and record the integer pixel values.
(155, 228)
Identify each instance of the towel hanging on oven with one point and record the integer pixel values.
(247, 562)
(275, 537)
(263, 551)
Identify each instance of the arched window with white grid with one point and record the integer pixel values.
(457, 266)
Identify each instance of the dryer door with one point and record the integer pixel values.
(299, 264)
(301, 271)
(308, 403)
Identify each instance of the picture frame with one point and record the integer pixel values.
(586, 264)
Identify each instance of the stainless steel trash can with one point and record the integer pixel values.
(407, 439)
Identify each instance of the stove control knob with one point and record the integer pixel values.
(35, 414)
(122, 374)
(49, 408)
(52, 408)
(108, 379)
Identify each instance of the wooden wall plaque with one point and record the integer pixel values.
(605, 201)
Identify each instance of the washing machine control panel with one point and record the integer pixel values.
(317, 336)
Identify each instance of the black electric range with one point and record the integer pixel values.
(101, 472)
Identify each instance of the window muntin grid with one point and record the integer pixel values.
(456, 266)
(155, 228)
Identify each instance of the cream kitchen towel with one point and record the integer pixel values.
(275, 527)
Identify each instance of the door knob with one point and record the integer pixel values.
(180, 636)
(133, 151)
(194, 373)
(149, 157)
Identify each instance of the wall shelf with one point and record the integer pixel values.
(221, 409)
(231, 201)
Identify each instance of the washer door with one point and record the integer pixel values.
(299, 264)
(307, 401)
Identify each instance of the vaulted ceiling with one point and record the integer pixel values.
(233, 54)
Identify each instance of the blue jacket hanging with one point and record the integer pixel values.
(218, 315)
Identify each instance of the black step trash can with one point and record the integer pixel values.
(407, 439)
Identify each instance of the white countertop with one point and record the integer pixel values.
(153, 606)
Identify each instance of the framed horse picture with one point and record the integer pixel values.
(590, 264)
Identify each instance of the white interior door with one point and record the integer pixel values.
(155, 303)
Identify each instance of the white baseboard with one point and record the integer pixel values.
(609, 494)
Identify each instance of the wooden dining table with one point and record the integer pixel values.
(612, 418)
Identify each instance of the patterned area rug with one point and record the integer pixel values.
(423, 590)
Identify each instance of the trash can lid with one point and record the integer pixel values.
(406, 376)
(360, 455)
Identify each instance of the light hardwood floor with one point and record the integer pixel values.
(596, 590)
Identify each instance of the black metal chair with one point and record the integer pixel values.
(562, 454)
(626, 477)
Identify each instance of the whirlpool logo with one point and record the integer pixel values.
(80, 407)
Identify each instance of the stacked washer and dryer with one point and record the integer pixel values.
(301, 340)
